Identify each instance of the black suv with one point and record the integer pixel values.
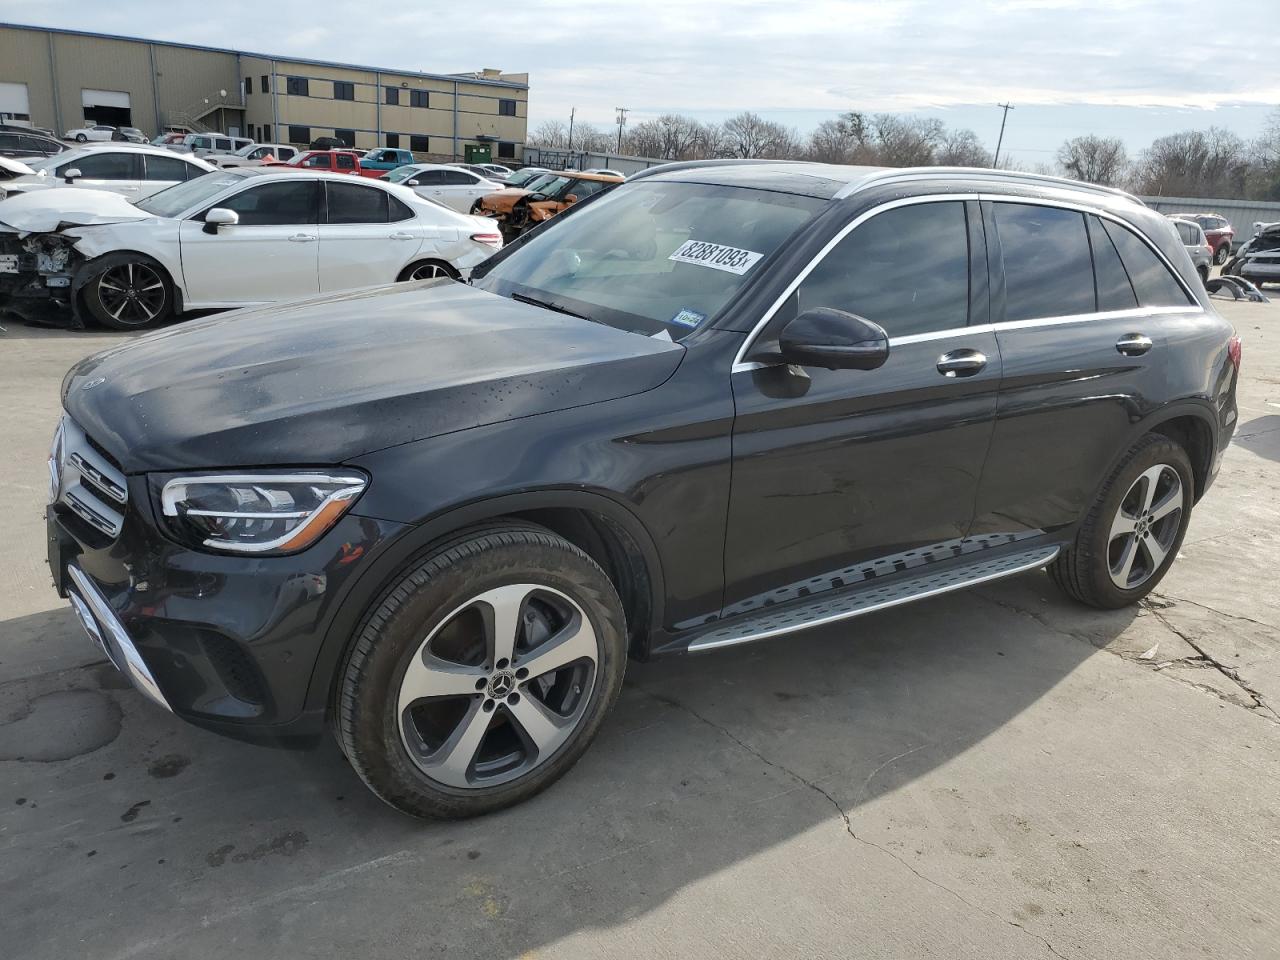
(721, 402)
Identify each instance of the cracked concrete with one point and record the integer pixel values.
(1010, 778)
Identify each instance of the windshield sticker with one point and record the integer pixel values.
(689, 318)
(716, 256)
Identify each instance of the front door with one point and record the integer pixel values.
(271, 254)
(837, 468)
(1079, 363)
(114, 170)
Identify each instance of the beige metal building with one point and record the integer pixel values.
(62, 79)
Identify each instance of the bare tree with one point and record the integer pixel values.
(1195, 163)
(962, 148)
(589, 138)
(1264, 174)
(750, 135)
(551, 134)
(1094, 159)
(842, 140)
(907, 141)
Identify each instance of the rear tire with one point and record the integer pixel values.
(427, 270)
(81, 138)
(1131, 535)
(1221, 254)
(444, 715)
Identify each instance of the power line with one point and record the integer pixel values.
(622, 119)
(1007, 107)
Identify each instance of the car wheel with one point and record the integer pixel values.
(1204, 274)
(483, 674)
(1220, 255)
(428, 270)
(81, 138)
(1132, 533)
(129, 292)
(477, 209)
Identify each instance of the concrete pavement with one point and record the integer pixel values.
(997, 773)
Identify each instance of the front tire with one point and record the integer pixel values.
(483, 674)
(1221, 254)
(129, 292)
(1132, 533)
(81, 138)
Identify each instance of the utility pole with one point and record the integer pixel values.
(622, 119)
(1007, 107)
(572, 111)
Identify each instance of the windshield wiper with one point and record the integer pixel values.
(548, 305)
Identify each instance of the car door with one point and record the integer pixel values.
(459, 189)
(271, 254)
(838, 467)
(367, 236)
(1081, 302)
(161, 173)
(116, 170)
(318, 161)
(429, 184)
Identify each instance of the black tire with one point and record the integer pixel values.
(425, 603)
(477, 209)
(1221, 254)
(1083, 570)
(81, 138)
(442, 270)
(1204, 274)
(151, 304)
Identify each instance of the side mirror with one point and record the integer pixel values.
(412, 183)
(571, 198)
(70, 176)
(834, 340)
(220, 217)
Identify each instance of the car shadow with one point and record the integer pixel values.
(707, 761)
(1261, 435)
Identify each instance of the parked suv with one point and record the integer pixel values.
(1217, 229)
(1198, 248)
(719, 403)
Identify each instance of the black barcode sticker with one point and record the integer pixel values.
(716, 256)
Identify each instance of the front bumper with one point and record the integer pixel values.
(229, 643)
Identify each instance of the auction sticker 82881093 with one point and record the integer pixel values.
(716, 255)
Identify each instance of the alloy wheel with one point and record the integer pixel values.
(132, 293)
(498, 687)
(1145, 526)
(429, 271)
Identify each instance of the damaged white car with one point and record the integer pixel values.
(1258, 260)
(228, 239)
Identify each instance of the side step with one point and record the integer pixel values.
(816, 611)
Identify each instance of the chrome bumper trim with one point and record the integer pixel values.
(111, 635)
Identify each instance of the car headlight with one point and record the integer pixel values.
(264, 513)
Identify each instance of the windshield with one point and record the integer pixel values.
(247, 149)
(46, 163)
(183, 196)
(549, 185)
(400, 174)
(652, 256)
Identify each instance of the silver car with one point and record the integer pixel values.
(1197, 245)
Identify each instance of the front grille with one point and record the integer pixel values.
(86, 482)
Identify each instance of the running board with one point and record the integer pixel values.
(816, 611)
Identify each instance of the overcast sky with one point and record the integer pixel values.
(1134, 68)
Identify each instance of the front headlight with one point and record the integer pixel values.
(263, 513)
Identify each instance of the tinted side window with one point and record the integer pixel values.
(8, 141)
(1187, 233)
(429, 178)
(398, 211)
(1114, 290)
(317, 160)
(104, 166)
(346, 162)
(1152, 281)
(167, 168)
(1047, 266)
(349, 203)
(457, 178)
(906, 269)
(277, 203)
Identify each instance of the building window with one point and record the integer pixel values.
(248, 86)
(297, 86)
(299, 134)
(266, 133)
(419, 98)
(420, 144)
(393, 96)
(348, 137)
(343, 90)
(265, 84)
(507, 150)
(393, 140)
(507, 108)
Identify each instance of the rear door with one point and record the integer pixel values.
(459, 189)
(161, 173)
(271, 254)
(837, 467)
(1080, 303)
(366, 238)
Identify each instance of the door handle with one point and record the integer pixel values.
(401, 235)
(1133, 344)
(303, 238)
(962, 363)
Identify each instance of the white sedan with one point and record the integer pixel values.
(452, 186)
(99, 131)
(136, 171)
(253, 155)
(233, 238)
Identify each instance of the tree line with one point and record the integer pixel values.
(1194, 163)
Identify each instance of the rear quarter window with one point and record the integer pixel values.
(1153, 282)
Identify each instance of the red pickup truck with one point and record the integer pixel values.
(332, 161)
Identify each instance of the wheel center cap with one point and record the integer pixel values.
(501, 684)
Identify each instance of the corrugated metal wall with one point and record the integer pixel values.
(1243, 214)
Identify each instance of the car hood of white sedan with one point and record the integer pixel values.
(15, 168)
(48, 211)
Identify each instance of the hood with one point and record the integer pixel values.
(321, 381)
(47, 211)
(502, 201)
(15, 168)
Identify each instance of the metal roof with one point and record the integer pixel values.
(450, 77)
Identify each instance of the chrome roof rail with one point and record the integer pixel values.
(978, 173)
(690, 164)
